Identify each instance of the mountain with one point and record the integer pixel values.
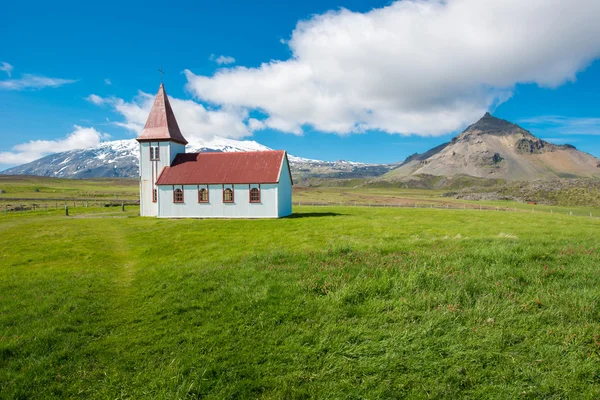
(495, 148)
(120, 159)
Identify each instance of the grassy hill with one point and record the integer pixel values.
(335, 302)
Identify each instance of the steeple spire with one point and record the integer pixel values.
(161, 123)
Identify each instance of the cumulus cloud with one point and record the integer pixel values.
(222, 59)
(80, 138)
(196, 122)
(6, 67)
(28, 81)
(426, 67)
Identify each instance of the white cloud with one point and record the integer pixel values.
(426, 67)
(197, 123)
(6, 67)
(222, 60)
(80, 138)
(97, 100)
(28, 81)
(107, 82)
(554, 124)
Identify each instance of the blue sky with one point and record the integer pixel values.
(371, 81)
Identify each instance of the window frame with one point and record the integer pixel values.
(205, 189)
(155, 195)
(175, 191)
(257, 189)
(232, 195)
(154, 152)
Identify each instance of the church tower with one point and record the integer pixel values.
(160, 141)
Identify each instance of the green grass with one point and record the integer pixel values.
(336, 302)
(55, 193)
(424, 198)
(57, 188)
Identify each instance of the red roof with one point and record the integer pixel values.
(161, 123)
(224, 168)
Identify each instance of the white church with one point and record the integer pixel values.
(176, 184)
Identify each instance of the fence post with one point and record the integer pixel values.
(122, 206)
(67, 211)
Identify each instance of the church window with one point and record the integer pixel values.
(154, 153)
(254, 195)
(203, 195)
(227, 196)
(154, 195)
(178, 196)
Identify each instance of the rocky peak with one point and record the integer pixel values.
(490, 125)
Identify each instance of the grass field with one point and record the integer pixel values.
(32, 193)
(335, 302)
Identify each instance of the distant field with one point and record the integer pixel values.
(57, 188)
(335, 302)
(422, 198)
(54, 193)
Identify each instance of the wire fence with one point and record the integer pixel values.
(458, 206)
(49, 204)
(40, 204)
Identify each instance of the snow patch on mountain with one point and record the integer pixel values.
(120, 158)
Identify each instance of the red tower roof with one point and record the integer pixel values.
(161, 123)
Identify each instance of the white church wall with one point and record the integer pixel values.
(284, 200)
(150, 171)
(216, 208)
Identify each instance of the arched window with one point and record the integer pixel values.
(203, 195)
(254, 195)
(178, 196)
(227, 196)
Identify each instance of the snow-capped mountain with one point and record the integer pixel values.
(119, 158)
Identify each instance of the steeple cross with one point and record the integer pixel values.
(161, 74)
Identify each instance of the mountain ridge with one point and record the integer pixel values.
(497, 148)
(489, 148)
(120, 159)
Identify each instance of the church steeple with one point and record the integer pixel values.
(161, 124)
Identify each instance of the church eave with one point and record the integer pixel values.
(143, 139)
